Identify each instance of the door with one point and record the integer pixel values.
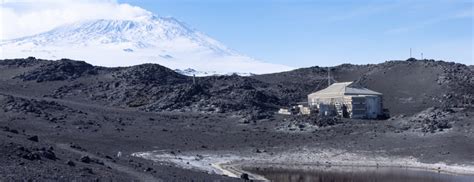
(371, 106)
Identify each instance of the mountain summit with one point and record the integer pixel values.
(151, 39)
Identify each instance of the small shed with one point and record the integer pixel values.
(347, 100)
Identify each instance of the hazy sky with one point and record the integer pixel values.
(296, 33)
(315, 32)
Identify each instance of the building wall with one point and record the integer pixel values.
(373, 107)
(315, 101)
(357, 106)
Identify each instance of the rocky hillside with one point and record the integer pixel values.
(149, 87)
(408, 86)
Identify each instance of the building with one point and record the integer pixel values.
(347, 100)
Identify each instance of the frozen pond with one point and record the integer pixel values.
(290, 167)
(357, 174)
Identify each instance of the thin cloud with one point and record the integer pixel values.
(420, 25)
(469, 13)
(367, 10)
(26, 17)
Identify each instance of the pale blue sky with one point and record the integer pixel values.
(310, 32)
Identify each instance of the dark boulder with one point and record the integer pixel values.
(48, 154)
(33, 138)
(244, 176)
(70, 163)
(85, 159)
(32, 156)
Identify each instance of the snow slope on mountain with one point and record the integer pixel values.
(193, 72)
(151, 39)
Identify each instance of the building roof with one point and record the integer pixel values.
(341, 89)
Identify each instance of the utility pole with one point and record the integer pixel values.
(329, 76)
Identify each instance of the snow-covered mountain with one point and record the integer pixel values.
(149, 39)
(193, 72)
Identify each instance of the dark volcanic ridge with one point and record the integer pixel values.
(408, 86)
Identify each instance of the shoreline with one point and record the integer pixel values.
(233, 164)
(236, 169)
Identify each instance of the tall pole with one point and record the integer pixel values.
(329, 76)
(410, 52)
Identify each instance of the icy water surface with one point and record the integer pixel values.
(358, 174)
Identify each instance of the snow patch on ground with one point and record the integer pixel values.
(194, 160)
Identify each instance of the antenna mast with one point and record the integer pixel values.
(329, 76)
